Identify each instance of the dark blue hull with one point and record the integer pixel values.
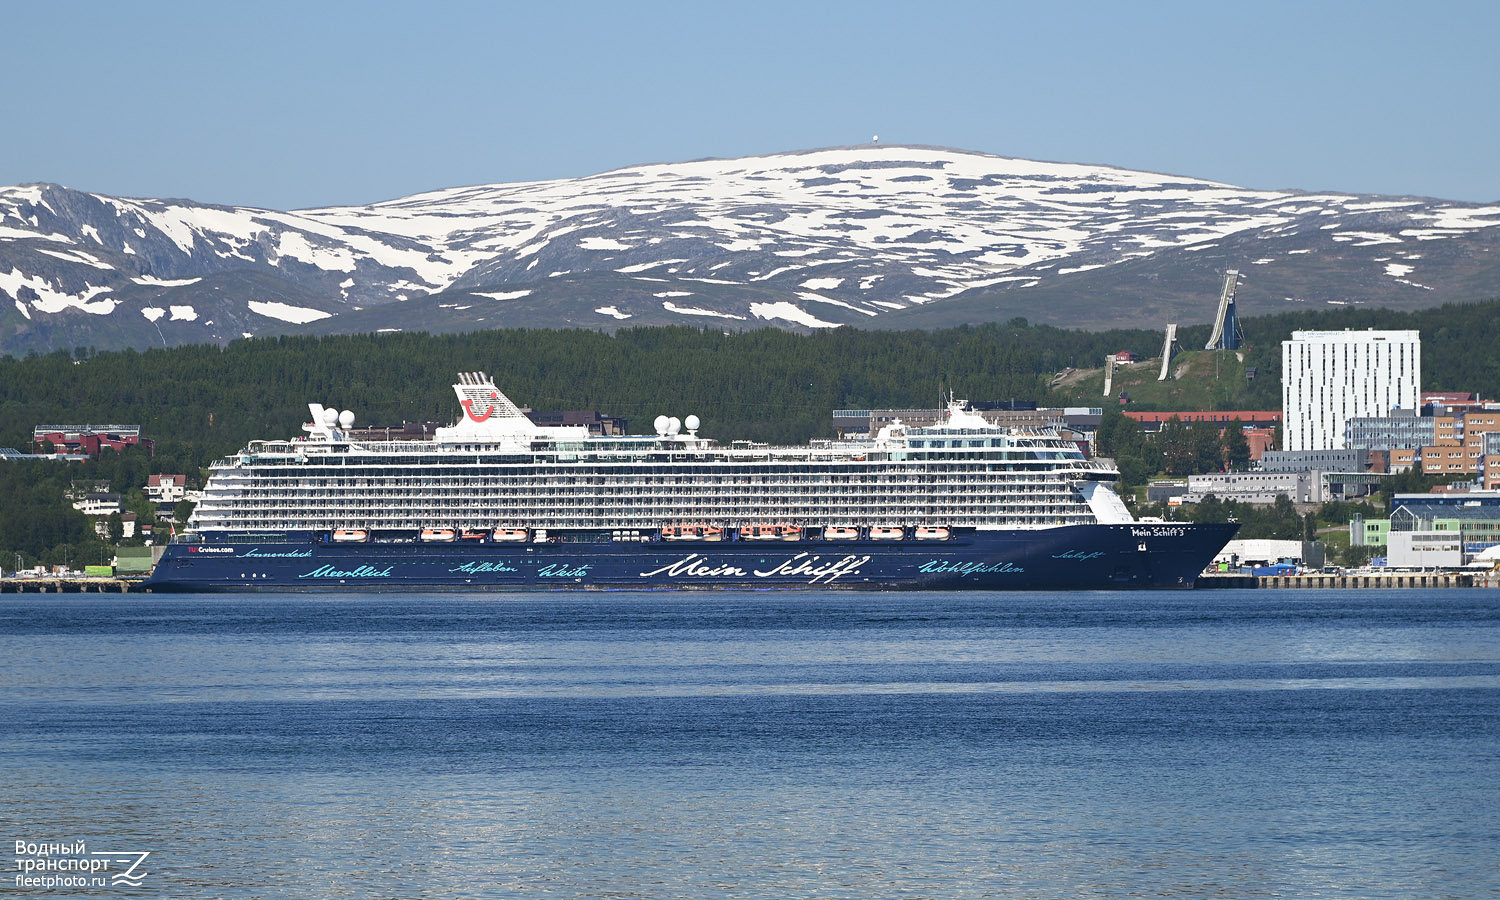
(1077, 557)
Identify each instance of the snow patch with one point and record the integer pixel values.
(1462, 219)
(673, 294)
(152, 313)
(650, 265)
(1429, 234)
(789, 312)
(295, 245)
(502, 295)
(669, 306)
(99, 307)
(822, 284)
(1397, 270)
(1365, 238)
(818, 298)
(600, 243)
(773, 273)
(49, 299)
(77, 257)
(286, 312)
(164, 282)
(184, 313)
(612, 311)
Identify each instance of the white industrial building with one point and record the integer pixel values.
(1328, 377)
(1257, 487)
(1266, 552)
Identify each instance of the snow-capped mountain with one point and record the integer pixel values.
(874, 236)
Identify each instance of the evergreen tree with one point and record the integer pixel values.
(1236, 447)
(1175, 444)
(1208, 449)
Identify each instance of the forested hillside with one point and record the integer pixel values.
(200, 401)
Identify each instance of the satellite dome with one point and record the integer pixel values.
(346, 419)
(674, 425)
(661, 424)
(692, 423)
(330, 417)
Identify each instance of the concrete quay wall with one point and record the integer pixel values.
(1383, 580)
(51, 585)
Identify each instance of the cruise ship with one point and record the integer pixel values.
(496, 502)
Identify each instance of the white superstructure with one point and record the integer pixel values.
(497, 469)
(1328, 377)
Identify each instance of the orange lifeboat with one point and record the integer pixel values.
(790, 532)
(713, 533)
(840, 533)
(471, 535)
(509, 535)
(350, 535)
(758, 533)
(887, 533)
(933, 533)
(681, 533)
(438, 535)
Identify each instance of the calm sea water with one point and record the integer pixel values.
(1235, 744)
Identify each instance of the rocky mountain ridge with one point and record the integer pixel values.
(872, 236)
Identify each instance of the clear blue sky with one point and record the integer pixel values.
(289, 105)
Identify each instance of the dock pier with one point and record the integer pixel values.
(46, 584)
(1319, 580)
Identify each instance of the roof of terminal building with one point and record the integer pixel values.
(1246, 416)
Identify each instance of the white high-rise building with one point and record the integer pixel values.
(1327, 377)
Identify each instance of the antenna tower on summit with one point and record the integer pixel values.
(1227, 334)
